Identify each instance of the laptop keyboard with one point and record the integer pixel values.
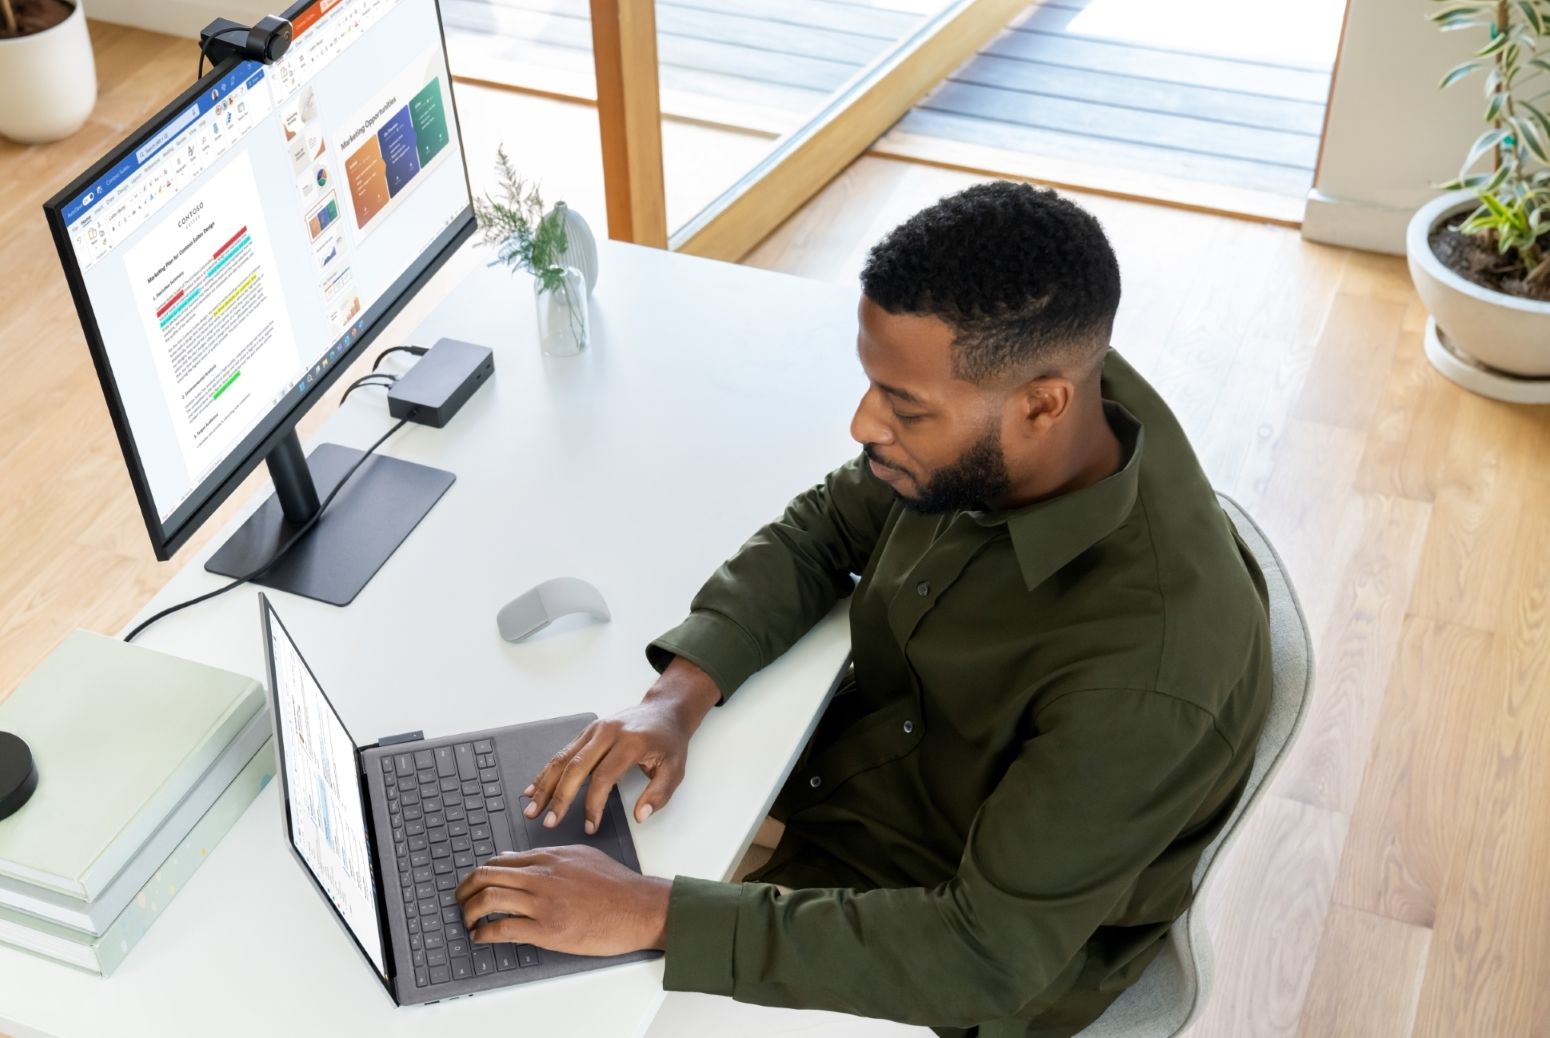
(441, 801)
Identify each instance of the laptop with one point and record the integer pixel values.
(386, 832)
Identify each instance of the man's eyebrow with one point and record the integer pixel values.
(902, 394)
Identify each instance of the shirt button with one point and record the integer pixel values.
(909, 726)
(815, 782)
(923, 588)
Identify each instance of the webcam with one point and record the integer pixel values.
(264, 41)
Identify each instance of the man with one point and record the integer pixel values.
(1061, 670)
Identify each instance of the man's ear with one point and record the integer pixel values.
(1042, 402)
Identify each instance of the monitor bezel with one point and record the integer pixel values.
(388, 975)
(225, 480)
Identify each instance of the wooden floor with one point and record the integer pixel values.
(1062, 82)
(1397, 879)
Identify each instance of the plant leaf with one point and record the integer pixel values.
(1458, 72)
(1534, 18)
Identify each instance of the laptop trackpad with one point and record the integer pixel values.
(570, 829)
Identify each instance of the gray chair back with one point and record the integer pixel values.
(1174, 987)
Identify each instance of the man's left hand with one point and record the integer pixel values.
(567, 899)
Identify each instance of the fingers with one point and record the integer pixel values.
(511, 930)
(498, 901)
(665, 778)
(543, 786)
(503, 870)
(604, 779)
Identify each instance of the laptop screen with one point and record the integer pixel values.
(323, 793)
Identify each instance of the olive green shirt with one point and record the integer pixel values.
(1052, 712)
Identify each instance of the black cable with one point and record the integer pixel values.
(204, 41)
(367, 380)
(418, 351)
(260, 571)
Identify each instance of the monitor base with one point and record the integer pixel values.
(366, 523)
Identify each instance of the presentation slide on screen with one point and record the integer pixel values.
(207, 281)
(312, 163)
(328, 817)
(395, 140)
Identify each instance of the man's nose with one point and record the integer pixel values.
(865, 426)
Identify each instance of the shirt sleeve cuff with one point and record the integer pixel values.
(701, 935)
(714, 643)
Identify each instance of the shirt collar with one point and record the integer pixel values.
(1048, 534)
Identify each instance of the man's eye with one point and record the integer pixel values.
(908, 419)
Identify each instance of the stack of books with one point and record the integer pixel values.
(144, 762)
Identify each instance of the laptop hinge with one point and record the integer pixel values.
(392, 740)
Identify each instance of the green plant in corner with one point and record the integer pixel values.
(524, 236)
(1514, 192)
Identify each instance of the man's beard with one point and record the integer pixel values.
(978, 477)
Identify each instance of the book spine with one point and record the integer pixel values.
(110, 950)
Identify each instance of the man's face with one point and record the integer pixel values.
(935, 439)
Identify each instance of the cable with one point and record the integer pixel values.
(418, 351)
(204, 41)
(366, 380)
(260, 571)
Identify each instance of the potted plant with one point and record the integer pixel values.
(48, 82)
(1480, 255)
(527, 238)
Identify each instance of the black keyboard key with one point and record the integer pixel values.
(395, 809)
(417, 843)
(454, 811)
(478, 832)
(438, 835)
(485, 760)
(423, 759)
(436, 957)
(409, 796)
(429, 789)
(422, 976)
(496, 804)
(444, 865)
(441, 850)
(404, 764)
(399, 832)
(462, 843)
(431, 804)
(527, 955)
(432, 821)
(440, 975)
(447, 882)
(449, 783)
(408, 890)
(465, 761)
(414, 828)
(457, 947)
(484, 961)
(414, 924)
(452, 915)
(427, 907)
(457, 828)
(402, 850)
(448, 897)
(489, 775)
(404, 879)
(462, 969)
(411, 812)
(471, 787)
(392, 792)
(419, 859)
(502, 830)
(474, 803)
(416, 942)
(418, 958)
(484, 746)
(477, 817)
(464, 860)
(424, 891)
(434, 940)
(431, 924)
(492, 789)
(387, 764)
(445, 763)
(484, 849)
(505, 957)
(423, 874)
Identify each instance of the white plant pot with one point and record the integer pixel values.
(1487, 341)
(48, 81)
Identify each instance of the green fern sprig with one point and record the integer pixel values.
(516, 224)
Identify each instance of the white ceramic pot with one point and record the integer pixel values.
(1502, 332)
(48, 82)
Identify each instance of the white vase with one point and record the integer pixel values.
(1487, 341)
(48, 81)
(563, 325)
(581, 249)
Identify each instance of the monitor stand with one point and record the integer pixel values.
(366, 523)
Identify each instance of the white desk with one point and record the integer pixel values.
(710, 395)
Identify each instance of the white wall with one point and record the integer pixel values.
(180, 17)
(1391, 134)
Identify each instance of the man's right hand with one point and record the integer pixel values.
(653, 735)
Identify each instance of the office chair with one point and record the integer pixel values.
(1173, 989)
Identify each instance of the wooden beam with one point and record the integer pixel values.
(860, 112)
(629, 116)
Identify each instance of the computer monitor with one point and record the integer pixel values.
(233, 255)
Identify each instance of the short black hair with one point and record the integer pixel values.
(1021, 275)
